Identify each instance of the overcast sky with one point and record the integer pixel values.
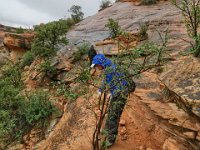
(30, 12)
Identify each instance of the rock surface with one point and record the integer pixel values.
(187, 85)
(4, 29)
(17, 44)
(15, 41)
(152, 122)
(4, 53)
(158, 17)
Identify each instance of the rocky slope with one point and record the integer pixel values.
(158, 17)
(150, 121)
(155, 117)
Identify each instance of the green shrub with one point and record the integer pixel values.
(70, 22)
(191, 12)
(46, 43)
(18, 113)
(47, 68)
(143, 30)
(19, 30)
(38, 108)
(84, 76)
(71, 95)
(104, 4)
(146, 49)
(113, 27)
(49, 36)
(27, 59)
(82, 50)
(154, 53)
(11, 119)
(77, 14)
(148, 2)
(12, 75)
(11, 103)
(67, 92)
(196, 48)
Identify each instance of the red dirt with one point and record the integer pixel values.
(142, 128)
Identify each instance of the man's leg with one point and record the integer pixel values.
(114, 113)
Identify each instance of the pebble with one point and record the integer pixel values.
(122, 122)
(123, 131)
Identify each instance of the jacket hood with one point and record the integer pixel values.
(100, 59)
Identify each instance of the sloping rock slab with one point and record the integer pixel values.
(175, 120)
(158, 17)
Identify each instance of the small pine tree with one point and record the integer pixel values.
(77, 14)
(104, 4)
(49, 36)
(113, 27)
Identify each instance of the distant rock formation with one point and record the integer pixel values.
(4, 53)
(17, 44)
(4, 29)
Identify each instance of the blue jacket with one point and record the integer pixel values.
(113, 78)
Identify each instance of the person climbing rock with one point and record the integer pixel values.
(91, 53)
(120, 85)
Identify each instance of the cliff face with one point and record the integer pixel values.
(158, 17)
(17, 44)
(4, 29)
(4, 53)
(2, 33)
(13, 45)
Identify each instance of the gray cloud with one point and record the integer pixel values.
(31, 12)
(51, 7)
(16, 13)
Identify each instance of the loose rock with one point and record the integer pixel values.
(122, 122)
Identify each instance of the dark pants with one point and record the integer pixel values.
(115, 110)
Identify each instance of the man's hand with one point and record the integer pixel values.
(109, 96)
(99, 94)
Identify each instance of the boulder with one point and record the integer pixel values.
(122, 122)
(170, 144)
(123, 131)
